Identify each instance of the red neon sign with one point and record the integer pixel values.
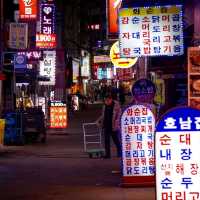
(58, 117)
(45, 40)
(28, 9)
(112, 17)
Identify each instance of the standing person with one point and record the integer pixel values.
(110, 120)
(121, 94)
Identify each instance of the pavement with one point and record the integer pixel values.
(61, 170)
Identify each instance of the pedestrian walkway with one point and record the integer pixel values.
(60, 170)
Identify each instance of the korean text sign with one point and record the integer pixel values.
(143, 91)
(28, 9)
(18, 35)
(48, 67)
(119, 62)
(45, 41)
(58, 115)
(47, 18)
(177, 155)
(137, 133)
(151, 31)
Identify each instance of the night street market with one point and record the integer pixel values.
(99, 99)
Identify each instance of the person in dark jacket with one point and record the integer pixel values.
(110, 121)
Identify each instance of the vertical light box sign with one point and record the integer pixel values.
(47, 20)
(28, 9)
(112, 18)
(137, 135)
(47, 67)
(151, 31)
(177, 155)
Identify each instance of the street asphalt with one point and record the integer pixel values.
(61, 170)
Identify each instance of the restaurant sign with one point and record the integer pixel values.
(58, 114)
(28, 9)
(137, 134)
(45, 41)
(117, 60)
(177, 155)
(151, 31)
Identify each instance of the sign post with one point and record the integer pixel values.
(177, 155)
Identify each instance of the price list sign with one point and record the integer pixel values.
(58, 115)
(151, 31)
(177, 143)
(137, 134)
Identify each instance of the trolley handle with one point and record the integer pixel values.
(92, 123)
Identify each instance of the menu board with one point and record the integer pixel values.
(151, 31)
(58, 114)
(137, 134)
(177, 155)
(194, 77)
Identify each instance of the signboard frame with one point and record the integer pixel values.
(30, 7)
(53, 105)
(18, 35)
(177, 136)
(137, 180)
(158, 30)
(111, 12)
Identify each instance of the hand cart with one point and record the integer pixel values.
(93, 140)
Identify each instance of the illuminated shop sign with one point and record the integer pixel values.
(85, 68)
(28, 9)
(18, 35)
(151, 31)
(58, 115)
(112, 18)
(76, 67)
(104, 73)
(20, 61)
(45, 41)
(101, 59)
(94, 27)
(124, 74)
(31, 55)
(47, 18)
(137, 134)
(144, 91)
(119, 61)
(194, 77)
(177, 155)
(47, 67)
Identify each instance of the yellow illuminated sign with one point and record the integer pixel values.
(117, 60)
